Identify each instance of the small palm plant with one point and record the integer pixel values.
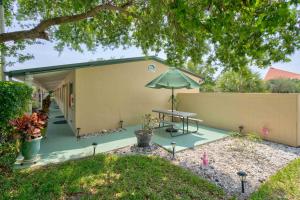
(149, 123)
(144, 135)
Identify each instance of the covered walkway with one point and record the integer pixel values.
(61, 143)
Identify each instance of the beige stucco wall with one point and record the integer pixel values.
(63, 100)
(107, 94)
(278, 112)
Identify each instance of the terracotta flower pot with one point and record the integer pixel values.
(30, 149)
(143, 138)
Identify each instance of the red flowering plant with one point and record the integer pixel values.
(43, 116)
(28, 126)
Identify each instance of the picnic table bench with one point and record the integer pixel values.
(185, 118)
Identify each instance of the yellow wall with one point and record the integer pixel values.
(277, 112)
(107, 94)
(62, 99)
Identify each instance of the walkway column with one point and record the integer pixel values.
(28, 81)
(42, 97)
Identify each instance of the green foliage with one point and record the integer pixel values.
(254, 137)
(244, 142)
(242, 81)
(231, 34)
(283, 185)
(284, 85)
(35, 104)
(148, 122)
(14, 99)
(109, 177)
(8, 155)
(236, 134)
(207, 73)
(251, 136)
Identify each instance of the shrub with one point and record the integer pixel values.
(283, 85)
(35, 105)
(14, 100)
(245, 81)
(8, 155)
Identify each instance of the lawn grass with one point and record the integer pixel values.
(285, 184)
(109, 177)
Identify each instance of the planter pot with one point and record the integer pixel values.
(31, 148)
(143, 138)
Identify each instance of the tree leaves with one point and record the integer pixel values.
(226, 33)
(244, 81)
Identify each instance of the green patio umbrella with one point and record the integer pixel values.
(173, 79)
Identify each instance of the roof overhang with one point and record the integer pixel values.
(47, 80)
(88, 64)
(49, 77)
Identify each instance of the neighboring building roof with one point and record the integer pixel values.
(274, 73)
(89, 64)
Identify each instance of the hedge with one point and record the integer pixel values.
(284, 85)
(14, 100)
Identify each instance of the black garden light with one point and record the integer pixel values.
(94, 146)
(242, 176)
(173, 144)
(78, 136)
(121, 124)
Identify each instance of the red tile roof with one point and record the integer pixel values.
(274, 73)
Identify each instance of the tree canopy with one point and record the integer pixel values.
(229, 33)
(283, 85)
(243, 81)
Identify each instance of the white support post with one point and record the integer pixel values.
(42, 97)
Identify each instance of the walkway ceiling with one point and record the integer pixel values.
(48, 80)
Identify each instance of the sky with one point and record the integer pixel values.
(46, 55)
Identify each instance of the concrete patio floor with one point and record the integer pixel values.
(62, 145)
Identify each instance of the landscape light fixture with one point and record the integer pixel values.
(94, 146)
(78, 136)
(121, 124)
(242, 176)
(173, 144)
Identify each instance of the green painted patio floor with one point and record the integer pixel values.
(61, 143)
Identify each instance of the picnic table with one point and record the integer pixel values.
(184, 116)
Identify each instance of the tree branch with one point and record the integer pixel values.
(39, 32)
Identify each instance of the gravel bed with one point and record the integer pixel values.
(226, 157)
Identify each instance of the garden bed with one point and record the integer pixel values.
(226, 157)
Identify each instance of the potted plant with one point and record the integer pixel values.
(29, 128)
(144, 135)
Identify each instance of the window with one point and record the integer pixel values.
(151, 68)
